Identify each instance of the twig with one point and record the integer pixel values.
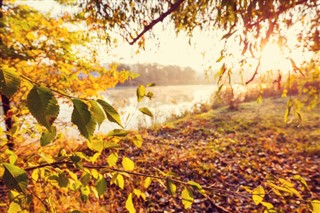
(210, 188)
(54, 90)
(222, 209)
(41, 201)
(255, 73)
(156, 21)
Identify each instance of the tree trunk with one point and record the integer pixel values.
(7, 119)
(6, 104)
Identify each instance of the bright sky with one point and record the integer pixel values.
(168, 49)
(173, 50)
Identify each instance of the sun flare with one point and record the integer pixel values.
(273, 59)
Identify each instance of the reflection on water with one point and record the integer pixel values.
(167, 101)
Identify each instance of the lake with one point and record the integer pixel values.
(167, 101)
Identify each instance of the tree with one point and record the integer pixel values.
(45, 52)
(39, 61)
(251, 24)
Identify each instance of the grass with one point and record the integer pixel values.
(223, 150)
(228, 149)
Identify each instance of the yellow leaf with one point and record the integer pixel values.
(120, 181)
(127, 164)
(315, 206)
(129, 204)
(258, 195)
(139, 194)
(187, 198)
(286, 183)
(35, 175)
(112, 159)
(137, 141)
(94, 173)
(147, 182)
(30, 36)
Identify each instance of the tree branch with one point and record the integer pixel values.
(156, 21)
(255, 73)
(209, 188)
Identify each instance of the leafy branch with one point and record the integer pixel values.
(54, 90)
(108, 168)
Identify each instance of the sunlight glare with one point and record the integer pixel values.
(273, 59)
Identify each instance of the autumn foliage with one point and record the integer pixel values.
(254, 159)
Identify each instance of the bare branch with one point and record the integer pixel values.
(254, 74)
(156, 21)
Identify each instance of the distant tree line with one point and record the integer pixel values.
(161, 74)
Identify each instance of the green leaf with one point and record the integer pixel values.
(76, 160)
(112, 114)
(258, 195)
(118, 132)
(97, 112)
(141, 92)
(48, 136)
(82, 118)
(85, 178)
(9, 81)
(63, 180)
(315, 206)
(129, 204)
(43, 105)
(146, 111)
(101, 185)
(15, 178)
(112, 159)
(85, 191)
(187, 198)
(127, 164)
(171, 187)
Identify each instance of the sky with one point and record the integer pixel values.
(170, 49)
(167, 49)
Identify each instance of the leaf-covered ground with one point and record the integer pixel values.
(223, 150)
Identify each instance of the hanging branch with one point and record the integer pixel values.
(156, 21)
(254, 74)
